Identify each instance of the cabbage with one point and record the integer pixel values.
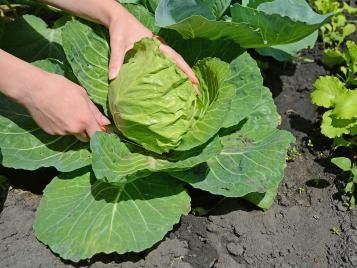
(152, 101)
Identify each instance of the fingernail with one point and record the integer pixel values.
(105, 121)
(113, 72)
(104, 128)
(197, 90)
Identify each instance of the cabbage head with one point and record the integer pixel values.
(152, 101)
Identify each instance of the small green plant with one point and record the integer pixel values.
(336, 231)
(346, 165)
(301, 190)
(293, 153)
(338, 95)
(335, 32)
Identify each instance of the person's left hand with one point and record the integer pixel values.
(124, 31)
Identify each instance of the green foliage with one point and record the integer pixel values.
(152, 101)
(346, 165)
(33, 40)
(330, 92)
(335, 32)
(264, 26)
(338, 93)
(119, 194)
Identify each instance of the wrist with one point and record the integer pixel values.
(18, 78)
(112, 13)
(28, 84)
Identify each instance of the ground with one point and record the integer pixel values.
(308, 226)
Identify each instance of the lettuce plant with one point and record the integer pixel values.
(335, 32)
(126, 189)
(339, 97)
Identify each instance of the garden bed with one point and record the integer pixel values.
(308, 226)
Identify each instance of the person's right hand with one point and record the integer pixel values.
(61, 107)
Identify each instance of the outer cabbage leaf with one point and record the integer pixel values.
(217, 95)
(250, 97)
(152, 101)
(251, 28)
(151, 4)
(24, 145)
(193, 50)
(50, 65)
(246, 165)
(218, 7)
(114, 162)
(288, 51)
(253, 158)
(144, 16)
(79, 217)
(33, 40)
(87, 52)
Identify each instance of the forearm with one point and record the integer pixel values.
(100, 11)
(16, 76)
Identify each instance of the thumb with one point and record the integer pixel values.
(117, 55)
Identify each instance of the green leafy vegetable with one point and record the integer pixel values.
(125, 190)
(261, 26)
(346, 165)
(87, 52)
(153, 105)
(24, 145)
(33, 40)
(330, 92)
(79, 216)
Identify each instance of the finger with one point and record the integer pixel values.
(117, 54)
(83, 137)
(92, 128)
(101, 119)
(182, 64)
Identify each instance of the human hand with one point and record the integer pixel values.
(125, 30)
(61, 107)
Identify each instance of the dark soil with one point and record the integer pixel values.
(308, 226)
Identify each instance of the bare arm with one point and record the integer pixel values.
(100, 11)
(123, 27)
(58, 106)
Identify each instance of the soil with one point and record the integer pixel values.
(308, 226)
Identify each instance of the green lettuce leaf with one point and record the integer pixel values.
(346, 105)
(79, 217)
(326, 90)
(333, 127)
